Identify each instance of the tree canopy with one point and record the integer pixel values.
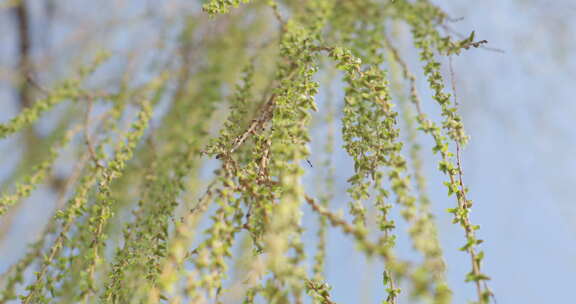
(188, 181)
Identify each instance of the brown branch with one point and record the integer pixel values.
(258, 123)
(414, 97)
(277, 14)
(87, 137)
(263, 117)
(463, 201)
(22, 16)
(319, 289)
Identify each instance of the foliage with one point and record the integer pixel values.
(129, 230)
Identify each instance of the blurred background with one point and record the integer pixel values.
(517, 97)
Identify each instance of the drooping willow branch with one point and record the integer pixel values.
(131, 230)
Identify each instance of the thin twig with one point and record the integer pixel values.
(465, 203)
(414, 97)
(479, 44)
(87, 137)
